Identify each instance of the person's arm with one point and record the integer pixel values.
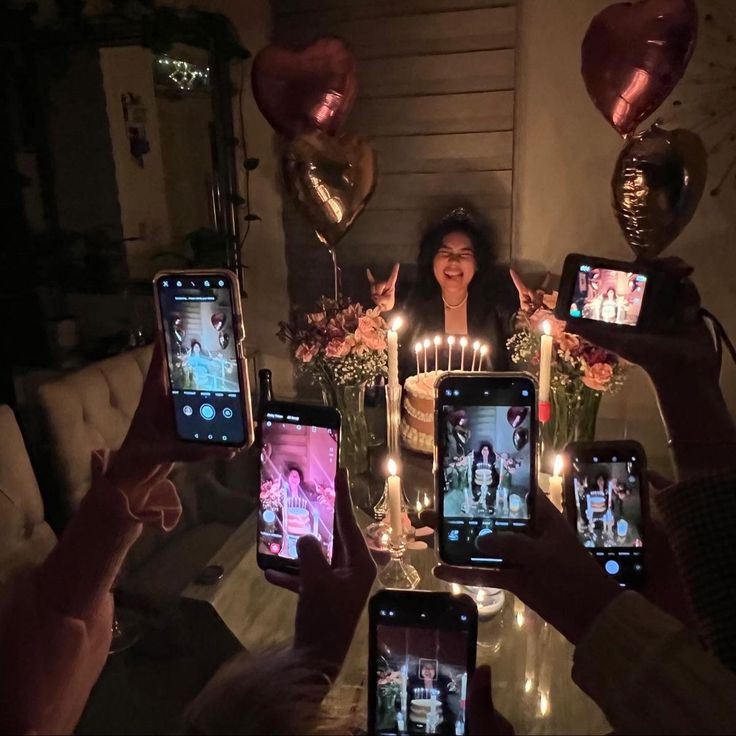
(698, 517)
(649, 675)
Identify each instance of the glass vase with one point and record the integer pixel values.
(349, 400)
(574, 416)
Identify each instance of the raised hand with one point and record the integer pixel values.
(549, 570)
(342, 589)
(152, 445)
(383, 293)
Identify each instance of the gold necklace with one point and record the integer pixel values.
(455, 306)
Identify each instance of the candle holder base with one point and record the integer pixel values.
(399, 574)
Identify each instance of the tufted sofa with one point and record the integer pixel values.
(25, 538)
(91, 409)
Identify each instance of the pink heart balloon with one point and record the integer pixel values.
(304, 90)
(633, 55)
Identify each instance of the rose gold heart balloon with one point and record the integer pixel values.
(633, 55)
(303, 90)
(657, 184)
(331, 179)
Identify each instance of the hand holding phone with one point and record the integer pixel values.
(421, 658)
(331, 597)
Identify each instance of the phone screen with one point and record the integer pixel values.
(606, 491)
(199, 323)
(607, 295)
(486, 458)
(299, 461)
(420, 666)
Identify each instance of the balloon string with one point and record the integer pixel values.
(721, 335)
(336, 271)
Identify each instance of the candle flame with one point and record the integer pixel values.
(437, 340)
(426, 342)
(396, 324)
(528, 684)
(547, 327)
(543, 704)
(456, 589)
(419, 507)
(483, 349)
(418, 347)
(392, 466)
(480, 596)
(520, 619)
(451, 340)
(476, 344)
(426, 500)
(559, 462)
(463, 341)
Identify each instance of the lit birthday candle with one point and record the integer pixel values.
(463, 345)
(450, 343)
(437, 340)
(426, 347)
(483, 353)
(417, 350)
(476, 348)
(394, 502)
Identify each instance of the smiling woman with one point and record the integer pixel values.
(459, 290)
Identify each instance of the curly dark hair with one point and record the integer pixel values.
(491, 451)
(481, 238)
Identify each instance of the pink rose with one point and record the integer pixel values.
(370, 335)
(568, 343)
(305, 353)
(598, 376)
(337, 348)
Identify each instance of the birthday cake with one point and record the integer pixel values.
(298, 521)
(417, 422)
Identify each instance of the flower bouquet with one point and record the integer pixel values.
(342, 347)
(581, 372)
(271, 496)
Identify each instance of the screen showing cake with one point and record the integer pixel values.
(297, 495)
(606, 295)
(422, 680)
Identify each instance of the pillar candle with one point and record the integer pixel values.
(555, 483)
(545, 363)
(450, 343)
(463, 344)
(394, 503)
(392, 338)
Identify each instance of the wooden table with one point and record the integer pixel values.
(531, 661)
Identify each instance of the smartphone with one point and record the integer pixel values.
(606, 501)
(617, 293)
(200, 316)
(299, 456)
(421, 656)
(485, 460)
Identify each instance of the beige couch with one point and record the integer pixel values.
(25, 538)
(91, 410)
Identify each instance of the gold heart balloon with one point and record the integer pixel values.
(657, 184)
(332, 179)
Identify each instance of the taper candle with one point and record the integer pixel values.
(392, 338)
(483, 353)
(476, 348)
(394, 502)
(545, 368)
(450, 343)
(463, 344)
(437, 340)
(426, 347)
(555, 483)
(417, 350)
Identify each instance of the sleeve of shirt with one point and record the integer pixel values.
(699, 518)
(649, 675)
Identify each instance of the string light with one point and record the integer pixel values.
(183, 74)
